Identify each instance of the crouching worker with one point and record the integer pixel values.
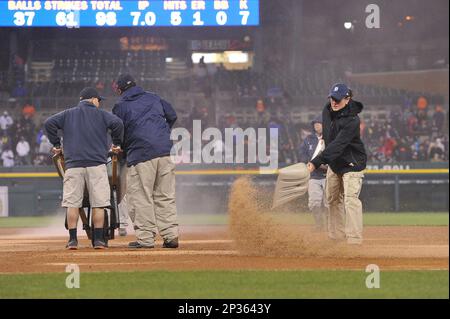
(85, 135)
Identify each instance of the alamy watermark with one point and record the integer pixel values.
(373, 280)
(73, 279)
(373, 19)
(235, 146)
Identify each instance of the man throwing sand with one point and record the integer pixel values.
(346, 158)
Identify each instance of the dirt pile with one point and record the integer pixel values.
(257, 231)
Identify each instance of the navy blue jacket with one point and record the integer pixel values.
(147, 120)
(85, 134)
(307, 151)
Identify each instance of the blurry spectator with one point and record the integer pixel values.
(28, 110)
(23, 151)
(423, 128)
(230, 121)
(5, 140)
(439, 118)
(402, 152)
(407, 103)
(421, 154)
(391, 132)
(6, 122)
(17, 131)
(45, 146)
(422, 103)
(388, 147)
(412, 123)
(422, 115)
(39, 135)
(114, 86)
(260, 108)
(7, 156)
(19, 90)
(41, 159)
(436, 151)
(100, 86)
(395, 117)
(27, 128)
(198, 113)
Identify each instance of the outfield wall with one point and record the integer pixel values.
(204, 189)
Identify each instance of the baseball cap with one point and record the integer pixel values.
(317, 119)
(339, 91)
(125, 81)
(89, 93)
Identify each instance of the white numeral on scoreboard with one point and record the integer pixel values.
(150, 18)
(111, 18)
(198, 19)
(20, 18)
(30, 16)
(102, 18)
(136, 15)
(244, 15)
(175, 18)
(221, 18)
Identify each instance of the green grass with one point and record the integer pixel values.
(370, 219)
(410, 219)
(229, 284)
(37, 221)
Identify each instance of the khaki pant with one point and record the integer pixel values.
(151, 200)
(96, 180)
(123, 206)
(345, 217)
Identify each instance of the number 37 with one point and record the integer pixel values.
(20, 18)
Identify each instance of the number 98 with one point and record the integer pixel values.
(103, 18)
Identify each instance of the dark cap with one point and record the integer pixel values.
(125, 81)
(89, 93)
(339, 91)
(317, 119)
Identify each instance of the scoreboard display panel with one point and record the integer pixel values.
(129, 13)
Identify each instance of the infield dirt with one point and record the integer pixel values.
(254, 239)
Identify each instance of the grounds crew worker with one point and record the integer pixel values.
(85, 132)
(148, 120)
(346, 158)
(311, 147)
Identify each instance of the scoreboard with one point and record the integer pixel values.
(129, 13)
